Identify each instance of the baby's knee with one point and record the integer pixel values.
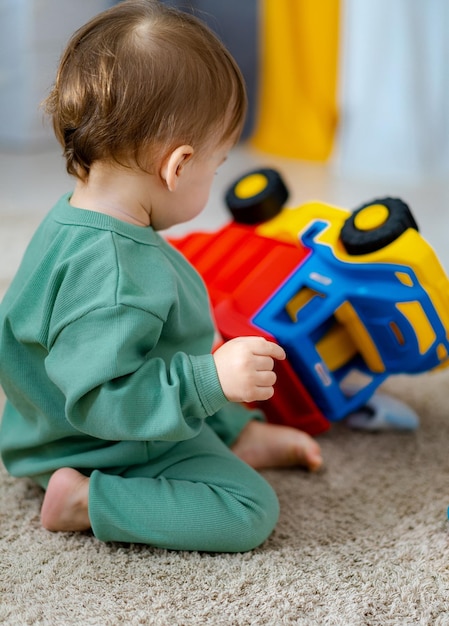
(257, 518)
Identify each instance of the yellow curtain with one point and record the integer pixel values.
(297, 107)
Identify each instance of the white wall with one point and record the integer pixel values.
(33, 34)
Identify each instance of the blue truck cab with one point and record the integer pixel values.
(370, 299)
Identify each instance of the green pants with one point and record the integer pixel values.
(196, 496)
(188, 495)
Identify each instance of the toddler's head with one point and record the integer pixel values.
(137, 81)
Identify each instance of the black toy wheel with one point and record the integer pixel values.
(257, 196)
(375, 225)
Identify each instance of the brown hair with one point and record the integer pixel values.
(138, 80)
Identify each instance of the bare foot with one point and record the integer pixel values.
(65, 502)
(263, 445)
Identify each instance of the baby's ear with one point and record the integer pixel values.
(173, 164)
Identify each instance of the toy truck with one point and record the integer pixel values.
(352, 297)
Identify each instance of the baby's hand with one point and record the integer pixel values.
(245, 368)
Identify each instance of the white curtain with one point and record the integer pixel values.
(394, 89)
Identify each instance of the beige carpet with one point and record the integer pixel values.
(365, 542)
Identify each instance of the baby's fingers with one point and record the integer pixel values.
(263, 347)
(263, 385)
(263, 393)
(263, 363)
(265, 378)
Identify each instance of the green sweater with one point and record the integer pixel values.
(105, 340)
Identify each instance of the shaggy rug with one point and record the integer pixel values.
(364, 542)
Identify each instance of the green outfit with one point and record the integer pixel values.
(105, 344)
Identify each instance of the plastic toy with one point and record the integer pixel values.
(352, 297)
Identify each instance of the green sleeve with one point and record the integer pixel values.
(120, 384)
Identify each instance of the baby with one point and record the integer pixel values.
(116, 405)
